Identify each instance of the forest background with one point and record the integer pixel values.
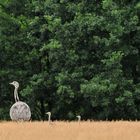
(71, 57)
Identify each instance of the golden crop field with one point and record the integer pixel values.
(119, 130)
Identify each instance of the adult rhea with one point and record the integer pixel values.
(19, 110)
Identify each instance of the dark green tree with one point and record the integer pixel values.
(71, 57)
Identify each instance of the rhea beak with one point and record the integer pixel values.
(11, 83)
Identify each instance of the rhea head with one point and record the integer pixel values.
(79, 117)
(48, 113)
(15, 84)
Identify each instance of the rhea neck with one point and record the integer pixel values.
(79, 118)
(16, 90)
(49, 117)
(16, 94)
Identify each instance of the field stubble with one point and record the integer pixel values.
(86, 130)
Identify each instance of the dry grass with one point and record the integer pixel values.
(121, 130)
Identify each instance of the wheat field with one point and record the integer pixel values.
(117, 130)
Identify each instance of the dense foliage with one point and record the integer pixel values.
(71, 57)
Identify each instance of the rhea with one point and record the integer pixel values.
(79, 118)
(16, 85)
(19, 111)
(49, 117)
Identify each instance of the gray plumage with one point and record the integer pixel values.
(20, 111)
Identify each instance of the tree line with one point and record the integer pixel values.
(71, 57)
